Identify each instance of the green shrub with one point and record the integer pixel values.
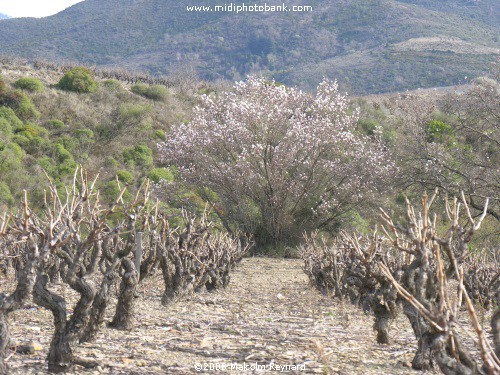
(21, 104)
(11, 156)
(13, 150)
(78, 80)
(438, 131)
(140, 155)
(30, 130)
(134, 113)
(32, 138)
(68, 142)
(160, 134)
(5, 129)
(84, 137)
(66, 164)
(125, 176)
(26, 110)
(139, 89)
(62, 154)
(34, 146)
(158, 174)
(111, 162)
(3, 86)
(157, 92)
(6, 196)
(368, 126)
(112, 84)
(47, 165)
(103, 132)
(8, 122)
(154, 92)
(111, 191)
(10, 116)
(55, 124)
(66, 169)
(29, 84)
(22, 140)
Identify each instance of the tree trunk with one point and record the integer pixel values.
(172, 277)
(124, 314)
(98, 311)
(81, 312)
(382, 325)
(180, 286)
(458, 363)
(97, 315)
(418, 280)
(4, 339)
(60, 354)
(214, 281)
(25, 281)
(55, 272)
(495, 327)
(424, 355)
(66, 333)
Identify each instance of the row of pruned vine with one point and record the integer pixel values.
(422, 267)
(77, 241)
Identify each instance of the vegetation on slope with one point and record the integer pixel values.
(110, 131)
(354, 40)
(436, 140)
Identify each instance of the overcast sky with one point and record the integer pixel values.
(34, 8)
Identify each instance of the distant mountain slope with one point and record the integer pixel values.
(3, 16)
(369, 46)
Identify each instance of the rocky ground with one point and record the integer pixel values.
(268, 316)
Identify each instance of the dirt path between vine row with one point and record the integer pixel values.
(268, 316)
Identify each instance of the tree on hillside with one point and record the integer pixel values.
(277, 161)
(452, 143)
(477, 122)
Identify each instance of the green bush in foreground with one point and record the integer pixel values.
(29, 84)
(78, 80)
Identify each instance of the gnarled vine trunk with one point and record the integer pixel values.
(495, 327)
(98, 311)
(417, 281)
(9, 303)
(124, 313)
(66, 332)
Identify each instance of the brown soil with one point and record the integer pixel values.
(267, 316)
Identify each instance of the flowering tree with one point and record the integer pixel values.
(276, 160)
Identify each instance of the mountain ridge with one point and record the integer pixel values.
(370, 47)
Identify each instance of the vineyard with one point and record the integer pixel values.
(161, 226)
(81, 262)
(75, 242)
(426, 275)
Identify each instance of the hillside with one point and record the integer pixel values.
(370, 47)
(112, 131)
(3, 16)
